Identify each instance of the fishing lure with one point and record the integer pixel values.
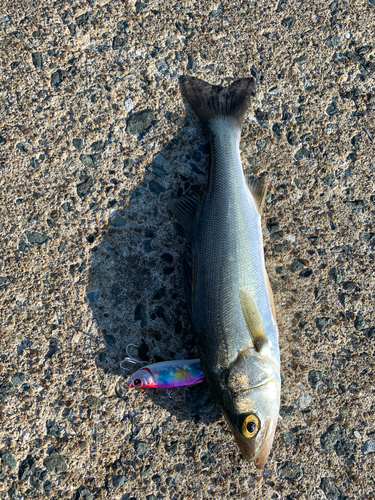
(166, 374)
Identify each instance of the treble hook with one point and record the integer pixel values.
(131, 359)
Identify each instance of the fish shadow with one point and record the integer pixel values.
(135, 283)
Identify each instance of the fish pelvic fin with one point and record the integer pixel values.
(184, 209)
(253, 320)
(213, 101)
(258, 189)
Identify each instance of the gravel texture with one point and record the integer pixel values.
(94, 139)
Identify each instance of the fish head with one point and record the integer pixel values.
(252, 417)
(250, 403)
(142, 378)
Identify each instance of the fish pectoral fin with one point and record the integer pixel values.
(253, 320)
(258, 189)
(184, 209)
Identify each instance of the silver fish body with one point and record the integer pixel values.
(230, 301)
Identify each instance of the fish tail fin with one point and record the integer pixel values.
(212, 101)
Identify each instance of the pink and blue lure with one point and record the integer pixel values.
(168, 374)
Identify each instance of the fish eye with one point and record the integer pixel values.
(137, 382)
(250, 426)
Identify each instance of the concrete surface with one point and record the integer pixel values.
(95, 138)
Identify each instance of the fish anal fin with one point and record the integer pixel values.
(253, 320)
(184, 209)
(258, 189)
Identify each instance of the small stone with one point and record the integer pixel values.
(298, 265)
(159, 294)
(4, 19)
(162, 66)
(331, 109)
(110, 340)
(288, 21)
(304, 400)
(38, 478)
(93, 297)
(302, 153)
(82, 19)
(18, 379)
(322, 323)
(83, 493)
(336, 274)
(159, 171)
(118, 481)
(360, 324)
(140, 448)
(156, 188)
(78, 143)
(35, 237)
(84, 187)
(37, 59)
(335, 438)
(260, 143)
(207, 459)
(366, 237)
(7, 458)
(288, 438)
(192, 63)
(139, 123)
(87, 160)
(52, 428)
(276, 129)
(331, 41)
(117, 220)
(285, 411)
(66, 412)
(167, 258)
(56, 78)
(93, 402)
(344, 300)
(314, 377)
(289, 471)
(26, 467)
(329, 179)
(329, 489)
(140, 314)
(118, 43)
(179, 467)
(172, 449)
(199, 399)
(368, 447)
(128, 103)
(349, 286)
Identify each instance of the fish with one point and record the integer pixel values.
(167, 374)
(227, 288)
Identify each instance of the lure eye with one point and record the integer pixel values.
(137, 382)
(250, 426)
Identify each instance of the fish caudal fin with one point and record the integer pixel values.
(212, 101)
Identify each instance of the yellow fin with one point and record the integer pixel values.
(253, 320)
(270, 296)
(258, 189)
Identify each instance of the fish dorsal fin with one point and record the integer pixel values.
(253, 320)
(258, 188)
(270, 296)
(184, 209)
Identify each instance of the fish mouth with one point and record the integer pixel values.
(260, 458)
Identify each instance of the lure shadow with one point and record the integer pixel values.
(135, 283)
